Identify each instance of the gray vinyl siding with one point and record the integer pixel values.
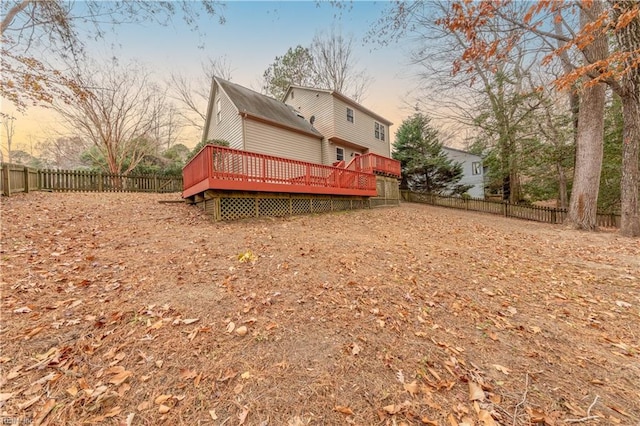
(230, 127)
(361, 131)
(468, 178)
(271, 140)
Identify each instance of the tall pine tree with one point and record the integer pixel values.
(425, 166)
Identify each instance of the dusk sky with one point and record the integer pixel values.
(252, 36)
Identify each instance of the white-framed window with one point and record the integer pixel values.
(379, 131)
(339, 154)
(218, 110)
(350, 115)
(476, 168)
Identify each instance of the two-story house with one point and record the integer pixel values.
(348, 128)
(313, 125)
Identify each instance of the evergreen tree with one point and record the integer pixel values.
(425, 166)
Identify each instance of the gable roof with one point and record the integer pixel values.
(263, 108)
(344, 99)
(461, 151)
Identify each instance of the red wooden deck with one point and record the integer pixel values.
(216, 167)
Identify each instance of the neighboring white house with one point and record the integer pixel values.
(313, 125)
(473, 171)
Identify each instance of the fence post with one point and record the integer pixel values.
(100, 181)
(505, 204)
(6, 180)
(156, 187)
(26, 179)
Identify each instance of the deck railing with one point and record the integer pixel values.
(216, 167)
(374, 163)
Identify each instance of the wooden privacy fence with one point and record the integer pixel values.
(519, 211)
(16, 178)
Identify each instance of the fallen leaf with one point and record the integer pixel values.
(427, 421)
(186, 374)
(501, 368)
(22, 310)
(213, 414)
(120, 377)
(344, 410)
(44, 412)
(163, 409)
(143, 406)
(129, 420)
(6, 396)
(230, 327)
(113, 412)
(242, 330)
(485, 417)
(413, 388)
(242, 417)
(162, 398)
(475, 392)
(452, 420)
(190, 320)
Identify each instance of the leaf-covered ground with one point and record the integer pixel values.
(118, 309)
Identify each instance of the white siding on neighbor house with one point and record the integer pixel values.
(230, 126)
(468, 178)
(266, 139)
(361, 131)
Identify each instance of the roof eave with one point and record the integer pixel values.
(261, 119)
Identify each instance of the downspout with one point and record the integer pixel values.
(243, 115)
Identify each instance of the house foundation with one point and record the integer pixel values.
(234, 205)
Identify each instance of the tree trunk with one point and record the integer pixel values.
(630, 219)
(583, 204)
(562, 185)
(629, 41)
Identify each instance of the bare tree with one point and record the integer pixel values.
(192, 95)
(9, 126)
(33, 29)
(63, 152)
(118, 117)
(329, 63)
(335, 65)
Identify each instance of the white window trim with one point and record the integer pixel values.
(353, 115)
(337, 153)
(474, 169)
(218, 110)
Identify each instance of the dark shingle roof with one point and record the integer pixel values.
(261, 106)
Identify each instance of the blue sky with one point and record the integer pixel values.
(252, 36)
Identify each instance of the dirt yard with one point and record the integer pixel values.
(120, 310)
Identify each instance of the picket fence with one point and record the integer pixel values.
(519, 211)
(17, 178)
